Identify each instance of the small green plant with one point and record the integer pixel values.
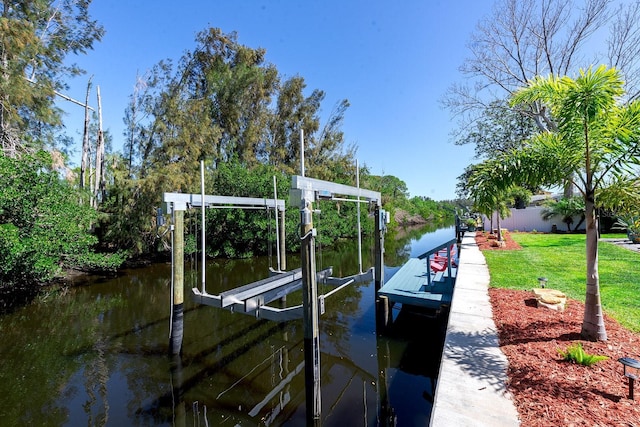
(576, 354)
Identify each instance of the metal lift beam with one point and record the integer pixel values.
(324, 189)
(195, 200)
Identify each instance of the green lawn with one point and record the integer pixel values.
(561, 258)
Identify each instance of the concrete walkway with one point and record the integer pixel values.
(623, 243)
(471, 387)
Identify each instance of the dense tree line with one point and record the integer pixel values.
(224, 104)
(221, 103)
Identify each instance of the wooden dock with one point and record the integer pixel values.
(417, 284)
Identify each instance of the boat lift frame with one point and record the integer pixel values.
(252, 298)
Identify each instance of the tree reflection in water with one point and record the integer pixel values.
(98, 354)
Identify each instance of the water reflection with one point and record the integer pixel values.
(98, 354)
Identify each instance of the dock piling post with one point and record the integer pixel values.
(310, 314)
(177, 317)
(383, 309)
(379, 248)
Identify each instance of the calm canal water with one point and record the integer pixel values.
(97, 354)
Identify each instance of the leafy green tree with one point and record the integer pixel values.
(293, 112)
(394, 191)
(431, 210)
(520, 196)
(498, 130)
(225, 104)
(35, 38)
(597, 140)
(237, 85)
(238, 233)
(489, 198)
(43, 228)
(211, 106)
(325, 154)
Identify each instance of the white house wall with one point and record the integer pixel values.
(529, 219)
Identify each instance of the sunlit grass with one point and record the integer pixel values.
(561, 258)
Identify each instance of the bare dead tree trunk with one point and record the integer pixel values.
(91, 177)
(99, 189)
(85, 138)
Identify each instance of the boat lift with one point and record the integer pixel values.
(253, 298)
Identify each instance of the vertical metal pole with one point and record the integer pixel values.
(275, 213)
(379, 249)
(301, 151)
(449, 261)
(383, 309)
(283, 243)
(310, 314)
(177, 326)
(359, 228)
(202, 237)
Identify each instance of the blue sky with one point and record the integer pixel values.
(393, 61)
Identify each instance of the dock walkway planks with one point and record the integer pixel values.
(410, 285)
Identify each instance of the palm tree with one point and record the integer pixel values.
(597, 140)
(567, 208)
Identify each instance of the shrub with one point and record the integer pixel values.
(43, 225)
(576, 354)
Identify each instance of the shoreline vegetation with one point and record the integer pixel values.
(546, 389)
(14, 295)
(220, 109)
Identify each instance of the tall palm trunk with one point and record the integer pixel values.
(593, 323)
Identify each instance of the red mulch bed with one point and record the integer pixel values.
(489, 241)
(548, 391)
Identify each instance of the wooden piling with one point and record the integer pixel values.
(378, 248)
(383, 308)
(310, 315)
(177, 315)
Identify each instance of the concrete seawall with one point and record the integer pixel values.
(471, 389)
